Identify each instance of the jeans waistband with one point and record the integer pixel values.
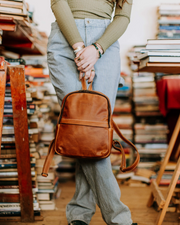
(93, 22)
(87, 23)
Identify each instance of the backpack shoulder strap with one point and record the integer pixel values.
(123, 167)
(48, 160)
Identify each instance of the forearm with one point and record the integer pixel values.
(66, 22)
(113, 32)
(119, 24)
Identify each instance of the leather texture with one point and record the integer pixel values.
(85, 129)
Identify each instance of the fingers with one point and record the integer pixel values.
(80, 75)
(92, 75)
(85, 67)
(84, 70)
(80, 63)
(87, 75)
(79, 53)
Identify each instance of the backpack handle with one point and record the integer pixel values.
(123, 167)
(49, 157)
(84, 85)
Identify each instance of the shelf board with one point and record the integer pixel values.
(161, 68)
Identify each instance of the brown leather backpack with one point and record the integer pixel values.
(85, 129)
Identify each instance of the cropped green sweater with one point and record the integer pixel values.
(66, 11)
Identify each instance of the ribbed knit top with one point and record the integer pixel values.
(66, 11)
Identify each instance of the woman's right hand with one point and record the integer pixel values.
(89, 75)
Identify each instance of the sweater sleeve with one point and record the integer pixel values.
(118, 26)
(66, 21)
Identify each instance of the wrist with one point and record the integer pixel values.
(100, 48)
(77, 45)
(100, 51)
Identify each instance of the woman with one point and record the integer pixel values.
(83, 40)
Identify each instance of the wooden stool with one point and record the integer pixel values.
(156, 194)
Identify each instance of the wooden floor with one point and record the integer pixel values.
(136, 199)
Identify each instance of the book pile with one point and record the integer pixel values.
(132, 56)
(16, 9)
(48, 188)
(150, 129)
(146, 102)
(18, 25)
(123, 117)
(167, 175)
(169, 21)
(9, 188)
(165, 51)
(138, 178)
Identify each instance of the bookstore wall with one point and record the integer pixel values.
(146, 109)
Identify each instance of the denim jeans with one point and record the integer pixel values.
(95, 182)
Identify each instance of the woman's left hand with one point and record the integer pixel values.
(86, 58)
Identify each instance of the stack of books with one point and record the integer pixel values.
(16, 9)
(132, 56)
(158, 51)
(150, 129)
(167, 175)
(169, 21)
(48, 188)
(146, 102)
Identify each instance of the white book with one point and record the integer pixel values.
(44, 205)
(43, 196)
(143, 79)
(163, 41)
(163, 46)
(140, 178)
(13, 174)
(163, 21)
(8, 139)
(156, 146)
(163, 59)
(10, 9)
(124, 175)
(159, 53)
(162, 51)
(15, 190)
(15, 206)
(169, 12)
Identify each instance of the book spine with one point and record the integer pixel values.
(16, 213)
(9, 198)
(169, 27)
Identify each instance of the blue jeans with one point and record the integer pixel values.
(95, 182)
